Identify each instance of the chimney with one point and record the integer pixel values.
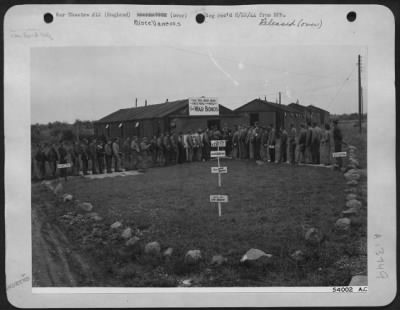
(136, 103)
(166, 100)
(265, 98)
(145, 103)
(280, 102)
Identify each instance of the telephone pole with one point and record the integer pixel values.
(359, 92)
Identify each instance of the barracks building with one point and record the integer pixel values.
(152, 120)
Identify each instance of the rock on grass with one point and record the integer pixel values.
(343, 224)
(254, 254)
(58, 189)
(132, 242)
(353, 203)
(313, 236)
(152, 248)
(298, 256)
(351, 196)
(116, 225)
(193, 257)
(218, 260)
(127, 233)
(67, 197)
(168, 252)
(94, 216)
(85, 206)
(350, 211)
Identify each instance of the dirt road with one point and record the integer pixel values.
(54, 262)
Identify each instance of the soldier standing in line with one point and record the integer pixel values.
(126, 153)
(271, 143)
(292, 144)
(196, 142)
(100, 154)
(40, 158)
(135, 152)
(302, 144)
(205, 140)
(174, 147)
(76, 157)
(283, 145)
(337, 141)
(116, 155)
(309, 143)
(108, 150)
(153, 150)
(85, 156)
(52, 157)
(181, 149)
(235, 143)
(62, 150)
(167, 149)
(257, 141)
(189, 146)
(250, 142)
(317, 143)
(264, 143)
(326, 146)
(242, 144)
(93, 155)
(160, 150)
(144, 147)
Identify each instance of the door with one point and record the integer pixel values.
(254, 117)
(214, 124)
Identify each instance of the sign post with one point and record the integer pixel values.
(339, 154)
(219, 170)
(219, 199)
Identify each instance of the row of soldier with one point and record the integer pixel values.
(310, 144)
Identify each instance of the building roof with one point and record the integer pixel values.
(151, 111)
(316, 108)
(298, 107)
(258, 105)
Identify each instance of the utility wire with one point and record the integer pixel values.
(344, 83)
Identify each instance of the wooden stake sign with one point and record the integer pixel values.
(339, 154)
(218, 170)
(219, 199)
(67, 165)
(217, 154)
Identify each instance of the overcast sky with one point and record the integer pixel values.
(85, 83)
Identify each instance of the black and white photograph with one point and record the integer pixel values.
(199, 167)
(199, 156)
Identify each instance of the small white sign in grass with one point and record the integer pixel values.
(339, 154)
(219, 169)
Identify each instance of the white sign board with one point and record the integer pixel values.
(67, 165)
(203, 106)
(215, 154)
(218, 198)
(218, 143)
(339, 154)
(219, 169)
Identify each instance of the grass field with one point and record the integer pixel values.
(269, 208)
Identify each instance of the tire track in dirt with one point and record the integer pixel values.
(54, 262)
